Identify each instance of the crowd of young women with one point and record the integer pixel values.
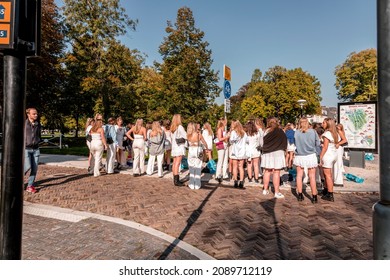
(315, 151)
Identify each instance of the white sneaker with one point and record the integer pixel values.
(265, 192)
(279, 195)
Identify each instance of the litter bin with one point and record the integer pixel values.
(357, 159)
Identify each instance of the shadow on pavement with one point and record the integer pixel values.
(190, 221)
(68, 178)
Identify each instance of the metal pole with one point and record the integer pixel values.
(381, 210)
(11, 195)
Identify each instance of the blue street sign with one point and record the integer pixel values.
(227, 89)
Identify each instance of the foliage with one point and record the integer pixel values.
(356, 78)
(276, 94)
(100, 69)
(186, 70)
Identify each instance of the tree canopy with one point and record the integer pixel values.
(186, 70)
(276, 94)
(356, 78)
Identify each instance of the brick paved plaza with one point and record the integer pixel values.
(221, 221)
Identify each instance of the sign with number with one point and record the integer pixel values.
(227, 89)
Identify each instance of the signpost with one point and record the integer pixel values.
(227, 88)
(19, 38)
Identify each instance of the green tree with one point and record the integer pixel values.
(189, 85)
(277, 92)
(356, 78)
(92, 29)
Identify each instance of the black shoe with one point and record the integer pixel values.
(176, 181)
(235, 184)
(328, 197)
(324, 191)
(315, 199)
(241, 185)
(339, 185)
(300, 197)
(250, 180)
(219, 180)
(257, 181)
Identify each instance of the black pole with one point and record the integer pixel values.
(381, 210)
(11, 211)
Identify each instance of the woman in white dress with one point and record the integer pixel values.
(137, 134)
(273, 159)
(260, 130)
(328, 156)
(179, 138)
(208, 136)
(253, 151)
(238, 140)
(88, 126)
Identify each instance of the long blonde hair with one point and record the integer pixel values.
(331, 127)
(176, 121)
(138, 125)
(191, 129)
(156, 129)
(98, 124)
(259, 123)
(237, 126)
(207, 127)
(304, 124)
(89, 122)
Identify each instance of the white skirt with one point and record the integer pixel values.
(309, 161)
(291, 147)
(274, 160)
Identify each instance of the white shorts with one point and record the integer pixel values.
(329, 159)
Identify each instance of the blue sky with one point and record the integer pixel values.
(316, 35)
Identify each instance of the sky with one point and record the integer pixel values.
(316, 35)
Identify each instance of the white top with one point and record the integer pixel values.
(331, 145)
(178, 150)
(88, 129)
(238, 145)
(208, 139)
(253, 142)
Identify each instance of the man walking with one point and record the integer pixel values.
(32, 153)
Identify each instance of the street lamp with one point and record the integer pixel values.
(302, 102)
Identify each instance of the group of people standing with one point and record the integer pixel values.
(270, 148)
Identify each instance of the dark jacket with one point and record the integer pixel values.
(274, 141)
(33, 134)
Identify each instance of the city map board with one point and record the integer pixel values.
(360, 124)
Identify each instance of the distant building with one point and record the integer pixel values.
(327, 112)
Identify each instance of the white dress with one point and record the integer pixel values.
(120, 133)
(208, 139)
(330, 155)
(253, 142)
(178, 150)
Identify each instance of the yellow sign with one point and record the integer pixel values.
(227, 74)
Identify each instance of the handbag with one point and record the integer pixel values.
(109, 140)
(180, 141)
(220, 145)
(200, 149)
(88, 137)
